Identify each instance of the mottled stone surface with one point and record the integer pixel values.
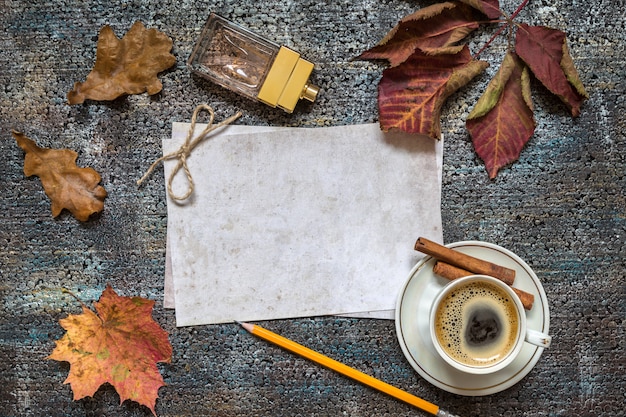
(562, 208)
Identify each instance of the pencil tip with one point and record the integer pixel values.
(246, 326)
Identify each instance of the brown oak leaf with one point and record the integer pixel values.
(502, 121)
(118, 344)
(410, 96)
(545, 52)
(436, 28)
(67, 186)
(126, 66)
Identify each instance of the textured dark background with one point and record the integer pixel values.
(561, 208)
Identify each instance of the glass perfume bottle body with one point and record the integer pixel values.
(248, 64)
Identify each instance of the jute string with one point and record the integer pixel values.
(185, 150)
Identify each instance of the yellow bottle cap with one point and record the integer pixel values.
(287, 81)
(310, 92)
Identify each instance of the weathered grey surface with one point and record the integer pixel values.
(561, 208)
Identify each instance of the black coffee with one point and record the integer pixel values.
(483, 327)
(477, 324)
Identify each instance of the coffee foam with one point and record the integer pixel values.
(453, 318)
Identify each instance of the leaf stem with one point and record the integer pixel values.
(493, 37)
(66, 291)
(519, 9)
(509, 22)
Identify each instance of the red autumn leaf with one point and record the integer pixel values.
(121, 345)
(434, 28)
(67, 186)
(410, 96)
(545, 52)
(490, 8)
(502, 121)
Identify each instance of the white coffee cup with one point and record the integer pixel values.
(478, 325)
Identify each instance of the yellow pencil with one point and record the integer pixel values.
(344, 369)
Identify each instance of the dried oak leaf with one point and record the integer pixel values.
(502, 121)
(121, 345)
(410, 96)
(67, 185)
(490, 8)
(545, 52)
(435, 28)
(126, 66)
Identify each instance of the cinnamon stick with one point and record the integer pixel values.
(467, 262)
(452, 272)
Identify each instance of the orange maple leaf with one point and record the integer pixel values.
(121, 345)
(126, 66)
(67, 185)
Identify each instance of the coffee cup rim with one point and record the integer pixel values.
(519, 341)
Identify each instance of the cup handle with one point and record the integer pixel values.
(537, 338)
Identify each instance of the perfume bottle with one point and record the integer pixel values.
(244, 62)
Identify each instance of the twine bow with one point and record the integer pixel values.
(185, 150)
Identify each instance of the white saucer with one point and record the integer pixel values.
(413, 309)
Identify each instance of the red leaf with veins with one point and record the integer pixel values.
(545, 52)
(502, 121)
(490, 8)
(434, 28)
(410, 96)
